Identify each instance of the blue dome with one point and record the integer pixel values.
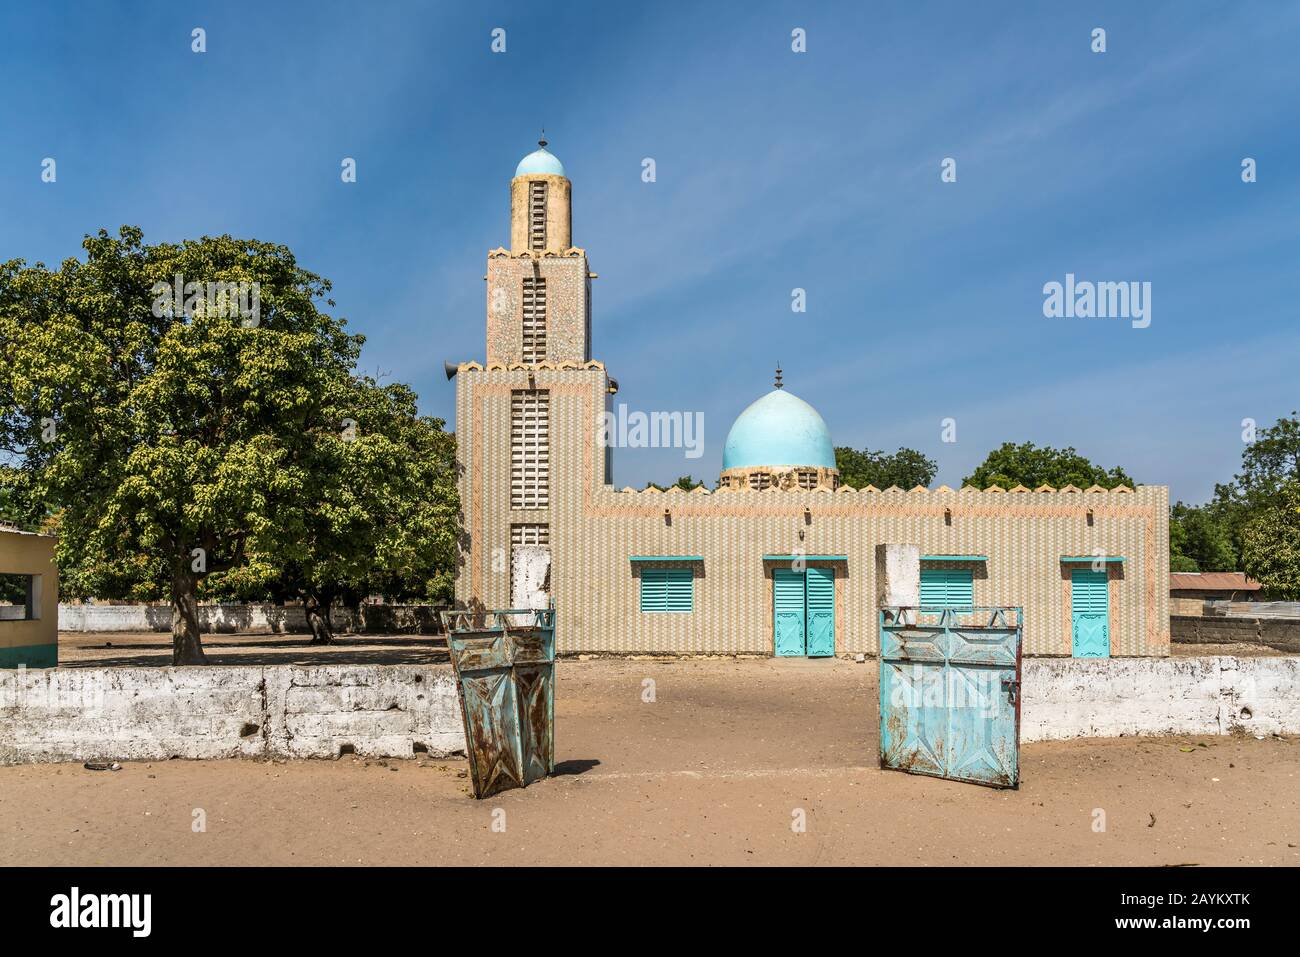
(540, 161)
(779, 429)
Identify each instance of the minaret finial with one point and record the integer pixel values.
(778, 376)
(542, 142)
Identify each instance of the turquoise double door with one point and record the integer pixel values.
(1089, 614)
(803, 604)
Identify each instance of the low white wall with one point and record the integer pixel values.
(288, 711)
(262, 618)
(272, 711)
(212, 618)
(1115, 697)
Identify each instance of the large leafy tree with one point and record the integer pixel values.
(906, 468)
(379, 509)
(1029, 465)
(168, 440)
(1271, 543)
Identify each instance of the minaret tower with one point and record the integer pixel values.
(528, 420)
(539, 290)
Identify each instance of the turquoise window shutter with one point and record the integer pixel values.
(679, 589)
(667, 589)
(947, 587)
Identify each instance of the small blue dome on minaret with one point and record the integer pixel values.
(540, 161)
(779, 429)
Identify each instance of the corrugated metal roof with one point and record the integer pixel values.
(1211, 581)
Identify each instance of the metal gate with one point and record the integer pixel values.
(505, 674)
(950, 693)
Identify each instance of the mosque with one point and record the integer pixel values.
(781, 558)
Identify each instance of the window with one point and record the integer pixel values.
(667, 589)
(531, 534)
(20, 597)
(530, 448)
(807, 479)
(759, 481)
(947, 588)
(537, 215)
(534, 319)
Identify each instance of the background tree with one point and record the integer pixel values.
(1029, 465)
(177, 433)
(1268, 463)
(906, 468)
(1271, 544)
(1199, 541)
(685, 482)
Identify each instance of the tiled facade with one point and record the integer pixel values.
(595, 530)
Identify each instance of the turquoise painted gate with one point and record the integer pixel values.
(803, 606)
(950, 695)
(1089, 614)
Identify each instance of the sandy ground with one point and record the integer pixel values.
(713, 771)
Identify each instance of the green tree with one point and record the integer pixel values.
(378, 512)
(1029, 465)
(1271, 544)
(906, 468)
(1268, 463)
(169, 433)
(1199, 540)
(685, 482)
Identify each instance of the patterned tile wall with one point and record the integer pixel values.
(595, 528)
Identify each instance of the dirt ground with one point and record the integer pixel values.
(714, 770)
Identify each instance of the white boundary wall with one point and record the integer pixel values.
(273, 711)
(1115, 697)
(288, 711)
(254, 618)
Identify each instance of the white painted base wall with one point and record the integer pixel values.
(1115, 697)
(273, 711)
(287, 711)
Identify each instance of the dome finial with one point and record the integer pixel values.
(542, 142)
(779, 385)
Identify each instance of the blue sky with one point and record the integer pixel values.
(775, 170)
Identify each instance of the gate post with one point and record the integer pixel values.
(898, 582)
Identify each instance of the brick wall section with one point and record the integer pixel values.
(274, 711)
(1280, 633)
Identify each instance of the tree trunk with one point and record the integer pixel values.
(187, 647)
(318, 618)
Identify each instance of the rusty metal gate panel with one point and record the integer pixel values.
(950, 693)
(505, 676)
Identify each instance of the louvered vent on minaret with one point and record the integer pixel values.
(530, 448)
(534, 319)
(530, 534)
(537, 215)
